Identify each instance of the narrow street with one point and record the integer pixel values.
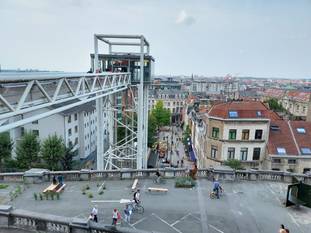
(176, 152)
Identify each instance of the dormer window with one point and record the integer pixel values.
(274, 127)
(281, 151)
(301, 130)
(305, 151)
(233, 114)
(259, 113)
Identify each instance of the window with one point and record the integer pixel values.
(76, 116)
(76, 129)
(69, 119)
(274, 127)
(305, 151)
(22, 131)
(304, 109)
(276, 161)
(213, 151)
(215, 132)
(76, 141)
(244, 152)
(258, 134)
(245, 134)
(291, 161)
(232, 134)
(69, 132)
(233, 114)
(231, 152)
(256, 154)
(35, 122)
(258, 113)
(70, 144)
(281, 150)
(35, 132)
(301, 130)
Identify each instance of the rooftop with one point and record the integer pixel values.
(245, 206)
(242, 109)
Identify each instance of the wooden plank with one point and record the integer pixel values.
(134, 184)
(157, 189)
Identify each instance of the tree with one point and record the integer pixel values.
(27, 151)
(162, 116)
(234, 164)
(186, 135)
(5, 148)
(52, 151)
(275, 106)
(67, 159)
(152, 129)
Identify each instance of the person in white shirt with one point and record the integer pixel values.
(94, 213)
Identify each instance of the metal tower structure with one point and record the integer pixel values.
(135, 106)
(122, 93)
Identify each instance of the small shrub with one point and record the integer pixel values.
(19, 189)
(101, 192)
(184, 182)
(87, 187)
(90, 195)
(97, 185)
(35, 196)
(40, 196)
(57, 196)
(83, 192)
(104, 187)
(3, 186)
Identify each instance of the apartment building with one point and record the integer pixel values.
(233, 130)
(77, 126)
(289, 146)
(173, 99)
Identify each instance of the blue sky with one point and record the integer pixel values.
(268, 38)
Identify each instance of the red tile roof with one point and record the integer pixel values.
(281, 138)
(244, 109)
(274, 93)
(303, 140)
(298, 96)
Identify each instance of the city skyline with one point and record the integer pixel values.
(210, 38)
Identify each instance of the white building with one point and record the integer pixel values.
(77, 126)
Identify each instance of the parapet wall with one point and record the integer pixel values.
(93, 175)
(35, 222)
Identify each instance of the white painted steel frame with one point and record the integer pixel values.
(90, 87)
(141, 107)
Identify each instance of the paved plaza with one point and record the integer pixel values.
(245, 206)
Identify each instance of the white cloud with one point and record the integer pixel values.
(184, 18)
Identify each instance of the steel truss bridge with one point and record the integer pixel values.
(46, 94)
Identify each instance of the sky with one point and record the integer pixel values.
(262, 38)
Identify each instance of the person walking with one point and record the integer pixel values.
(127, 213)
(94, 212)
(283, 229)
(115, 217)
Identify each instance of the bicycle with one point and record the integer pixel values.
(213, 194)
(137, 207)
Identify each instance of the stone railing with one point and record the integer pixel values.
(38, 222)
(38, 175)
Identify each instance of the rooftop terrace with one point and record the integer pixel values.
(246, 206)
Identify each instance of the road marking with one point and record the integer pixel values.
(293, 219)
(162, 220)
(105, 201)
(177, 221)
(140, 220)
(215, 228)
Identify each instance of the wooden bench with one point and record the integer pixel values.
(162, 190)
(51, 188)
(61, 188)
(134, 186)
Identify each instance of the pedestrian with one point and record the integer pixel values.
(94, 212)
(115, 217)
(282, 229)
(127, 213)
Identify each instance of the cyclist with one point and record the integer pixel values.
(136, 197)
(217, 188)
